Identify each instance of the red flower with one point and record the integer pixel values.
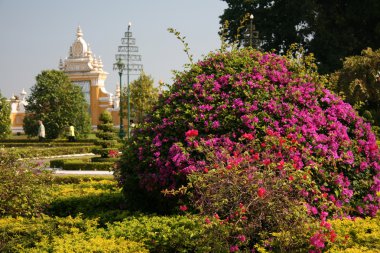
(261, 192)
(280, 165)
(248, 136)
(291, 178)
(241, 238)
(216, 216)
(191, 133)
(183, 208)
(207, 220)
(205, 170)
(332, 236)
(113, 153)
(266, 162)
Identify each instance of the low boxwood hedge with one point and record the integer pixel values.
(30, 152)
(103, 152)
(76, 164)
(79, 179)
(43, 144)
(102, 159)
(46, 141)
(59, 163)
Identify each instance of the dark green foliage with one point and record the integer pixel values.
(5, 121)
(24, 189)
(57, 102)
(107, 143)
(331, 30)
(106, 134)
(101, 159)
(103, 152)
(106, 127)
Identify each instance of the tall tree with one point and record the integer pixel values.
(330, 29)
(143, 96)
(359, 82)
(5, 120)
(58, 103)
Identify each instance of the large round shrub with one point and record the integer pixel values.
(247, 109)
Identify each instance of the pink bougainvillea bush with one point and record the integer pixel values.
(255, 111)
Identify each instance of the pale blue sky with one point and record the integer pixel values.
(35, 34)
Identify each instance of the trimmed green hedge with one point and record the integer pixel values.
(75, 164)
(43, 144)
(103, 152)
(59, 163)
(44, 152)
(102, 159)
(107, 143)
(89, 141)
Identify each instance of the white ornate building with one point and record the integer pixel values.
(85, 70)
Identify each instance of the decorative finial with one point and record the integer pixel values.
(100, 63)
(79, 32)
(89, 52)
(60, 64)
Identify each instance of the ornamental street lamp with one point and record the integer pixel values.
(251, 36)
(128, 46)
(119, 65)
(128, 89)
(250, 30)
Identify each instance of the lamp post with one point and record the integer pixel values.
(251, 30)
(128, 90)
(119, 65)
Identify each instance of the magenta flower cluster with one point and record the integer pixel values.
(232, 99)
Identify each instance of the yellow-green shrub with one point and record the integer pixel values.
(357, 236)
(84, 243)
(19, 234)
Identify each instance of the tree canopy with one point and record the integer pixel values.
(5, 120)
(143, 96)
(58, 103)
(359, 82)
(331, 30)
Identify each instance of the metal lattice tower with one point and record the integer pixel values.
(125, 61)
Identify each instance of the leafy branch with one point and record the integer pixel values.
(184, 43)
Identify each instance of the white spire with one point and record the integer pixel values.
(79, 32)
(89, 52)
(100, 63)
(60, 64)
